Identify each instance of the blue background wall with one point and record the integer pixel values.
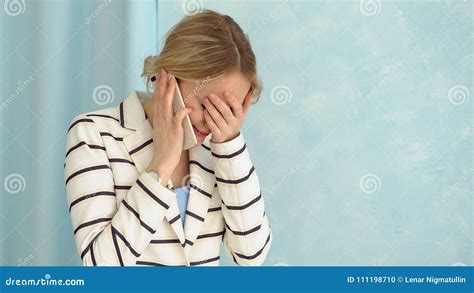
(362, 138)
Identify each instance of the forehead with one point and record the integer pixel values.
(234, 82)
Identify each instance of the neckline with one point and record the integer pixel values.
(182, 187)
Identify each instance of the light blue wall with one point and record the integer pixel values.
(362, 138)
(69, 48)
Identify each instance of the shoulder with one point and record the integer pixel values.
(102, 119)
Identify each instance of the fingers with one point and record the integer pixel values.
(169, 94)
(215, 114)
(159, 90)
(178, 118)
(212, 125)
(234, 103)
(162, 83)
(164, 93)
(156, 93)
(222, 107)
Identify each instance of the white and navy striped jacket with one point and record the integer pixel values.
(123, 216)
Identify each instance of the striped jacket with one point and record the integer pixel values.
(122, 216)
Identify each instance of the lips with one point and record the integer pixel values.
(199, 132)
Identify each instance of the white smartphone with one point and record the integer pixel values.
(189, 140)
(178, 104)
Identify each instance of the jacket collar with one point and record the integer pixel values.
(131, 112)
(139, 144)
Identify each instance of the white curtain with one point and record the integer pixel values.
(58, 59)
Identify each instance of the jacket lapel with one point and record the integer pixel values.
(139, 145)
(201, 182)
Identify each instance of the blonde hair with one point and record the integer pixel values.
(205, 45)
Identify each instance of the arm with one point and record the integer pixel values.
(247, 236)
(107, 234)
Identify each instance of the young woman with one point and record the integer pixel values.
(135, 197)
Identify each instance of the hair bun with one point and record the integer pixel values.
(150, 65)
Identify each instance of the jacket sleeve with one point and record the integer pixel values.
(247, 236)
(108, 233)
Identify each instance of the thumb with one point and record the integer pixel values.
(181, 114)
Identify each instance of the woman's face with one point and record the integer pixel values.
(194, 92)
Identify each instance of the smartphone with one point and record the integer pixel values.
(178, 104)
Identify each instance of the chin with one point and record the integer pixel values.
(200, 139)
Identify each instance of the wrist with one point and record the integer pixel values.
(165, 173)
(227, 139)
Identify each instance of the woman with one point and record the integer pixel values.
(135, 197)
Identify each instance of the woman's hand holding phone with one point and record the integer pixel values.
(225, 119)
(168, 132)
